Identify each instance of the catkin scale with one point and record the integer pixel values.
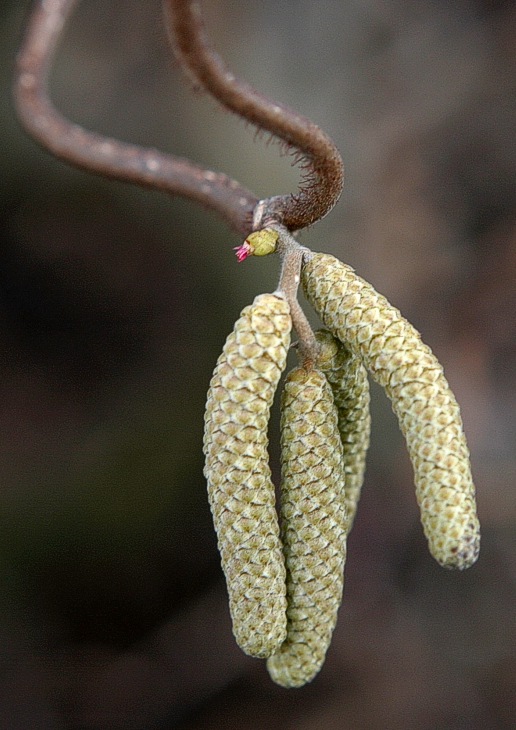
(313, 525)
(240, 489)
(350, 386)
(427, 411)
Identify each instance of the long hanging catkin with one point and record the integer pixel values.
(313, 525)
(240, 489)
(427, 411)
(350, 385)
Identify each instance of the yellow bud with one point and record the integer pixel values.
(263, 242)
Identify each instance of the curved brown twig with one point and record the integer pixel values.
(110, 157)
(320, 157)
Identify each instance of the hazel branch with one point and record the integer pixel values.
(291, 253)
(320, 159)
(104, 155)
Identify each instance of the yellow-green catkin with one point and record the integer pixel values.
(313, 525)
(350, 385)
(240, 489)
(427, 411)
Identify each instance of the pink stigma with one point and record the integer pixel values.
(243, 251)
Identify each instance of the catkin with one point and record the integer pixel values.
(350, 385)
(240, 489)
(427, 411)
(313, 525)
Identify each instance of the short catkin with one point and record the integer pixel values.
(240, 489)
(313, 525)
(350, 385)
(427, 411)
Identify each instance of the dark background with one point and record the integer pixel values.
(114, 305)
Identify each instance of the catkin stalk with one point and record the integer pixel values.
(427, 411)
(240, 489)
(313, 525)
(350, 386)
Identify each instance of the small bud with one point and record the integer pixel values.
(240, 489)
(258, 243)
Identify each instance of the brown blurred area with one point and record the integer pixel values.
(114, 305)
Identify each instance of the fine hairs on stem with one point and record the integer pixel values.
(320, 159)
(152, 168)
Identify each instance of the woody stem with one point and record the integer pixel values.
(104, 155)
(291, 253)
(313, 148)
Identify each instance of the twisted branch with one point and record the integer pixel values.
(107, 156)
(152, 168)
(316, 151)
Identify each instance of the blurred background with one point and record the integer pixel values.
(115, 303)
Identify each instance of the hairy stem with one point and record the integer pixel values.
(152, 168)
(324, 170)
(110, 157)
